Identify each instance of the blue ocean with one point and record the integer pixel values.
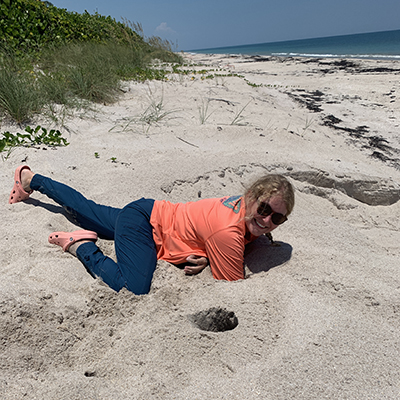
(378, 45)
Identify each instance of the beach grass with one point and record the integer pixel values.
(20, 96)
(85, 70)
(83, 59)
(155, 113)
(63, 75)
(239, 118)
(203, 111)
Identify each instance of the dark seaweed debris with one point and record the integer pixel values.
(311, 100)
(260, 58)
(331, 120)
(352, 67)
(357, 132)
(379, 69)
(378, 145)
(340, 64)
(380, 156)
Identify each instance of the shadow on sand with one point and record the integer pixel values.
(261, 255)
(55, 209)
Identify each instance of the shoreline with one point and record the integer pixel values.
(359, 46)
(299, 55)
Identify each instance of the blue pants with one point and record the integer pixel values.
(129, 227)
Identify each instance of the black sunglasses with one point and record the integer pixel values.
(264, 209)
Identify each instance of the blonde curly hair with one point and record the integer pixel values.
(271, 185)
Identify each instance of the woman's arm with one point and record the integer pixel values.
(225, 250)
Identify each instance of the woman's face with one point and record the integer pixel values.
(257, 224)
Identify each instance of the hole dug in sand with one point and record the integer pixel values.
(215, 320)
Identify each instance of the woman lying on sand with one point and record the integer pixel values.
(209, 230)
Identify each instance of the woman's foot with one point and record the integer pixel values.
(22, 180)
(26, 177)
(74, 247)
(68, 239)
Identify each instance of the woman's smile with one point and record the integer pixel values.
(258, 224)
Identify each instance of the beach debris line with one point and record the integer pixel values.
(379, 146)
(311, 100)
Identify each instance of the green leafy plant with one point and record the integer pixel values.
(51, 56)
(255, 85)
(49, 138)
(33, 137)
(30, 25)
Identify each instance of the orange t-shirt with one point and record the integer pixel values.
(212, 228)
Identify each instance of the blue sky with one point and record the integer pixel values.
(197, 24)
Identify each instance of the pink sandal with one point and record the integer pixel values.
(18, 193)
(66, 239)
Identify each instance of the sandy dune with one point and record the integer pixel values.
(318, 315)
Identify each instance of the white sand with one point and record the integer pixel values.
(319, 316)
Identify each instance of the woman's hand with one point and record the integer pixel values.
(200, 264)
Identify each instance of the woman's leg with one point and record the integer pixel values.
(135, 250)
(86, 213)
(130, 228)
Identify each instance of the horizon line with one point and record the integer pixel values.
(287, 41)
